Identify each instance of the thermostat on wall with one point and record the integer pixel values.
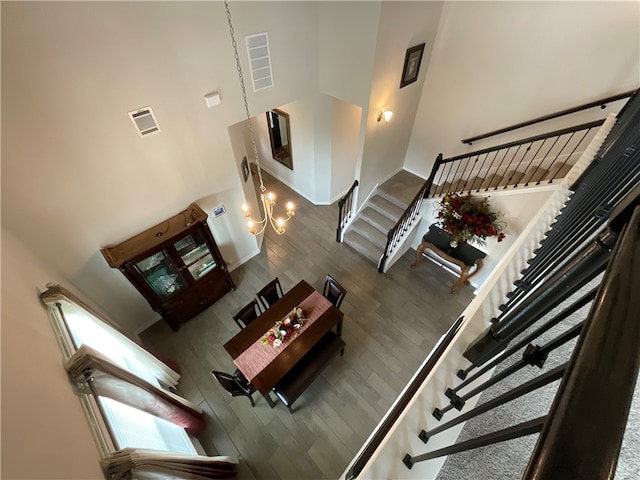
(219, 210)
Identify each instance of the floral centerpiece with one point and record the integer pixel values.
(285, 329)
(466, 217)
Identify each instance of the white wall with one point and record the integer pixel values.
(499, 63)
(76, 176)
(347, 45)
(323, 142)
(402, 25)
(45, 434)
(325, 145)
(346, 146)
(301, 118)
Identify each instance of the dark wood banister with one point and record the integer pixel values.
(403, 401)
(562, 131)
(601, 103)
(408, 211)
(341, 203)
(346, 195)
(424, 191)
(609, 350)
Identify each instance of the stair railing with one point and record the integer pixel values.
(613, 175)
(609, 338)
(345, 211)
(602, 103)
(408, 217)
(533, 160)
(615, 301)
(528, 161)
(602, 371)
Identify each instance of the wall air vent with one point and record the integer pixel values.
(144, 121)
(259, 60)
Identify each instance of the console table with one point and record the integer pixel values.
(436, 246)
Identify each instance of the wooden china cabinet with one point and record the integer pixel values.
(176, 266)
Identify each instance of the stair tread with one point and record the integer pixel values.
(377, 219)
(401, 188)
(363, 246)
(384, 206)
(558, 170)
(394, 200)
(370, 232)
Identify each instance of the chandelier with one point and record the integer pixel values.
(268, 199)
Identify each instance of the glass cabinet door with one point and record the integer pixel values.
(161, 274)
(195, 254)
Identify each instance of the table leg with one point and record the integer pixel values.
(419, 251)
(462, 280)
(339, 328)
(478, 267)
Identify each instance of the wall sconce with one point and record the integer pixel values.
(384, 117)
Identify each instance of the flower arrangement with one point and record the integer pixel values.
(466, 217)
(284, 330)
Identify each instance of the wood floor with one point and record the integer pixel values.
(391, 322)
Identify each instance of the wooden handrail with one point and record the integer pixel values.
(601, 103)
(562, 131)
(418, 197)
(609, 350)
(343, 199)
(402, 402)
(424, 192)
(341, 203)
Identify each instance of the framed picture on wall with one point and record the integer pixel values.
(245, 169)
(411, 65)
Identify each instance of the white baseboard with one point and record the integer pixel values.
(232, 267)
(274, 175)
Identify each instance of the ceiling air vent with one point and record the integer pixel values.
(144, 121)
(260, 60)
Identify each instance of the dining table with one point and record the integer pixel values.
(263, 364)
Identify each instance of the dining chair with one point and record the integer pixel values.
(247, 314)
(236, 385)
(270, 293)
(333, 291)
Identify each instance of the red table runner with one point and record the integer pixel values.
(255, 358)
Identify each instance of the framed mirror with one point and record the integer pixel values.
(280, 135)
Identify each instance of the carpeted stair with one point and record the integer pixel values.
(508, 460)
(368, 232)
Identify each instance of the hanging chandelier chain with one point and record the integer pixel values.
(244, 96)
(267, 199)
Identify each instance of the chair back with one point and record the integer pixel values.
(228, 382)
(333, 291)
(247, 314)
(243, 383)
(270, 293)
(236, 385)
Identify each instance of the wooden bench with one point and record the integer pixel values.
(298, 379)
